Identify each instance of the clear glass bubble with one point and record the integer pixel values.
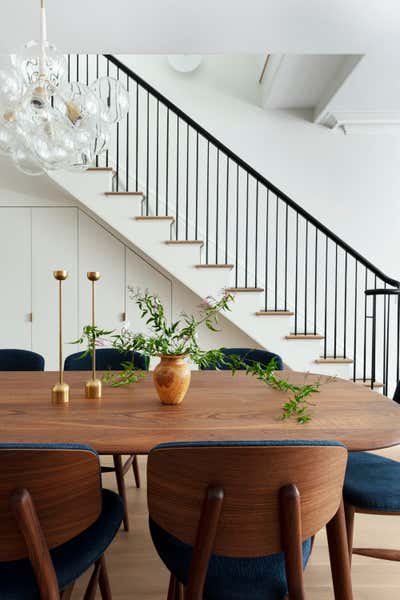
(53, 142)
(26, 161)
(11, 88)
(114, 98)
(28, 62)
(79, 104)
(101, 139)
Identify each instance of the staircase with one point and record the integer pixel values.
(210, 220)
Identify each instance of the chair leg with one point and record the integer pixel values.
(119, 473)
(66, 594)
(339, 556)
(136, 474)
(91, 589)
(104, 583)
(172, 588)
(349, 512)
(179, 592)
(290, 521)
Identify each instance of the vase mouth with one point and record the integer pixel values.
(172, 356)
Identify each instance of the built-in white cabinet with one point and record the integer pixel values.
(15, 277)
(100, 251)
(54, 246)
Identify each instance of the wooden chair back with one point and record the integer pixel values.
(251, 477)
(64, 484)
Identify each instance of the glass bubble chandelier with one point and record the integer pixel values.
(48, 123)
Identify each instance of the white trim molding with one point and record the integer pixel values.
(379, 122)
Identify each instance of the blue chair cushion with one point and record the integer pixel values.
(106, 359)
(372, 482)
(20, 360)
(227, 578)
(17, 580)
(248, 356)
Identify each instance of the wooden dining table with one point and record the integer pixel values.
(218, 406)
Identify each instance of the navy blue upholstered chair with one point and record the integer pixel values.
(112, 359)
(372, 485)
(106, 359)
(229, 523)
(20, 360)
(248, 355)
(54, 525)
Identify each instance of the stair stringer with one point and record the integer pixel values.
(150, 236)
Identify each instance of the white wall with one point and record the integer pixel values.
(350, 183)
(42, 229)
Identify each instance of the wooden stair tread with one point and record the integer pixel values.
(199, 242)
(274, 313)
(214, 266)
(123, 194)
(304, 336)
(154, 218)
(101, 169)
(332, 360)
(239, 289)
(367, 383)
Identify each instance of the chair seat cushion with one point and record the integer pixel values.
(227, 578)
(372, 482)
(17, 580)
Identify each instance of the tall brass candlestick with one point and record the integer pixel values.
(60, 392)
(93, 386)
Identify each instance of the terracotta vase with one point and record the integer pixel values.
(172, 378)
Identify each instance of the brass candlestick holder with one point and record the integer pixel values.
(60, 392)
(93, 386)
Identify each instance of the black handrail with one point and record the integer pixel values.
(257, 176)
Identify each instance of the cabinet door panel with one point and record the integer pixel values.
(15, 277)
(54, 246)
(100, 251)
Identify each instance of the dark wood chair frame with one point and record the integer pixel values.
(28, 523)
(383, 553)
(291, 538)
(121, 469)
(47, 497)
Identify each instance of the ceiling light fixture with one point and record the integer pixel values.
(48, 123)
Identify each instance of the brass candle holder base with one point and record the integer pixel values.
(93, 389)
(60, 393)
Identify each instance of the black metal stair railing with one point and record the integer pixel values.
(243, 219)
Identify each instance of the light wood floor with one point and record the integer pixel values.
(136, 573)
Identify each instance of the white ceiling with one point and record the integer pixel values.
(209, 26)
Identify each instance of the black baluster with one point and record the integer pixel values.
(296, 275)
(315, 281)
(187, 183)
(276, 251)
(247, 231)
(117, 151)
(256, 242)
(197, 187)
(127, 142)
(335, 304)
(208, 199)
(306, 280)
(355, 321)
(237, 227)
(365, 328)
(137, 138)
(345, 307)
(286, 254)
(177, 180)
(326, 299)
(167, 166)
(157, 152)
(217, 212)
(147, 152)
